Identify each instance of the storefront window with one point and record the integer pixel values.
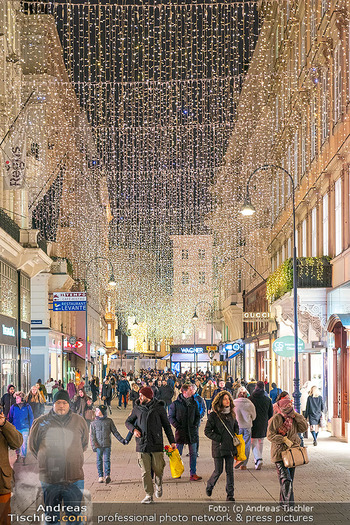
(8, 372)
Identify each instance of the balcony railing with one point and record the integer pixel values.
(313, 272)
(9, 226)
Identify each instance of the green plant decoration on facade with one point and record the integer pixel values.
(312, 272)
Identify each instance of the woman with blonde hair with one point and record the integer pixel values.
(314, 409)
(36, 401)
(221, 427)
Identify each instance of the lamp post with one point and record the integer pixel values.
(248, 210)
(111, 282)
(195, 318)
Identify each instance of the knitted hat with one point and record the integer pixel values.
(147, 392)
(61, 395)
(103, 409)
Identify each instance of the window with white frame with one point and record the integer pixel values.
(202, 334)
(313, 128)
(325, 224)
(109, 333)
(324, 104)
(185, 278)
(278, 262)
(314, 232)
(289, 247)
(297, 241)
(283, 252)
(337, 65)
(338, 218)
(303, 239)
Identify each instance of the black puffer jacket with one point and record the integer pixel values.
(165, 393)
(150, 419)
(222, 444)
(100, 433)
(185, 418)
(264, 411)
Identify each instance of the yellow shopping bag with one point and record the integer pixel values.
(240, 449)
(176, 465)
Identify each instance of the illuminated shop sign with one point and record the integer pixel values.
(8, 330)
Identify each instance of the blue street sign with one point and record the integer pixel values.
(69, 306)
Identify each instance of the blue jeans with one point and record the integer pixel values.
(192, 448)
(103, 455)
(247, 436)
(23, 450)
(120, 399)
(61, 493)
(208, 402)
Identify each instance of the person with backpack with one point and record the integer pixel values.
(201, 407)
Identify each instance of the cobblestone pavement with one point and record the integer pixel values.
(325, 479)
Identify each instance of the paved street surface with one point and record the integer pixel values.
(325, 479)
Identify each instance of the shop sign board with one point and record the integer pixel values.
(253, 317)
(187, 349)
(69, 301)
(284, 346)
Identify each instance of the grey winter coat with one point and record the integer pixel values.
(100, 433)
(245, 412)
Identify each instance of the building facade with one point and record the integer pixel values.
(293, 113)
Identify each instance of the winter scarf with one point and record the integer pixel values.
(283, 408)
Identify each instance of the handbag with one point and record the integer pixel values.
(295, 457)
(236, 441)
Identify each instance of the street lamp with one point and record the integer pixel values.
(111, 282)
(248, 210)
(195, 318)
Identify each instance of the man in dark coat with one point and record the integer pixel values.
(146, 421)
(185, 417)
(106, 394)
(8, 400)
(264, 412)
(58, 441)
(165, 393)
(123, 388)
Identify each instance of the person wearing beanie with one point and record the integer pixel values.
(264, 411)
(147, 421)
(58, 441)
(100, 438)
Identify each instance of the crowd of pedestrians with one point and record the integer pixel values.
(159, 401)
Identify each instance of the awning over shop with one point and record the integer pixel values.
(344, 319)
(234, 354)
